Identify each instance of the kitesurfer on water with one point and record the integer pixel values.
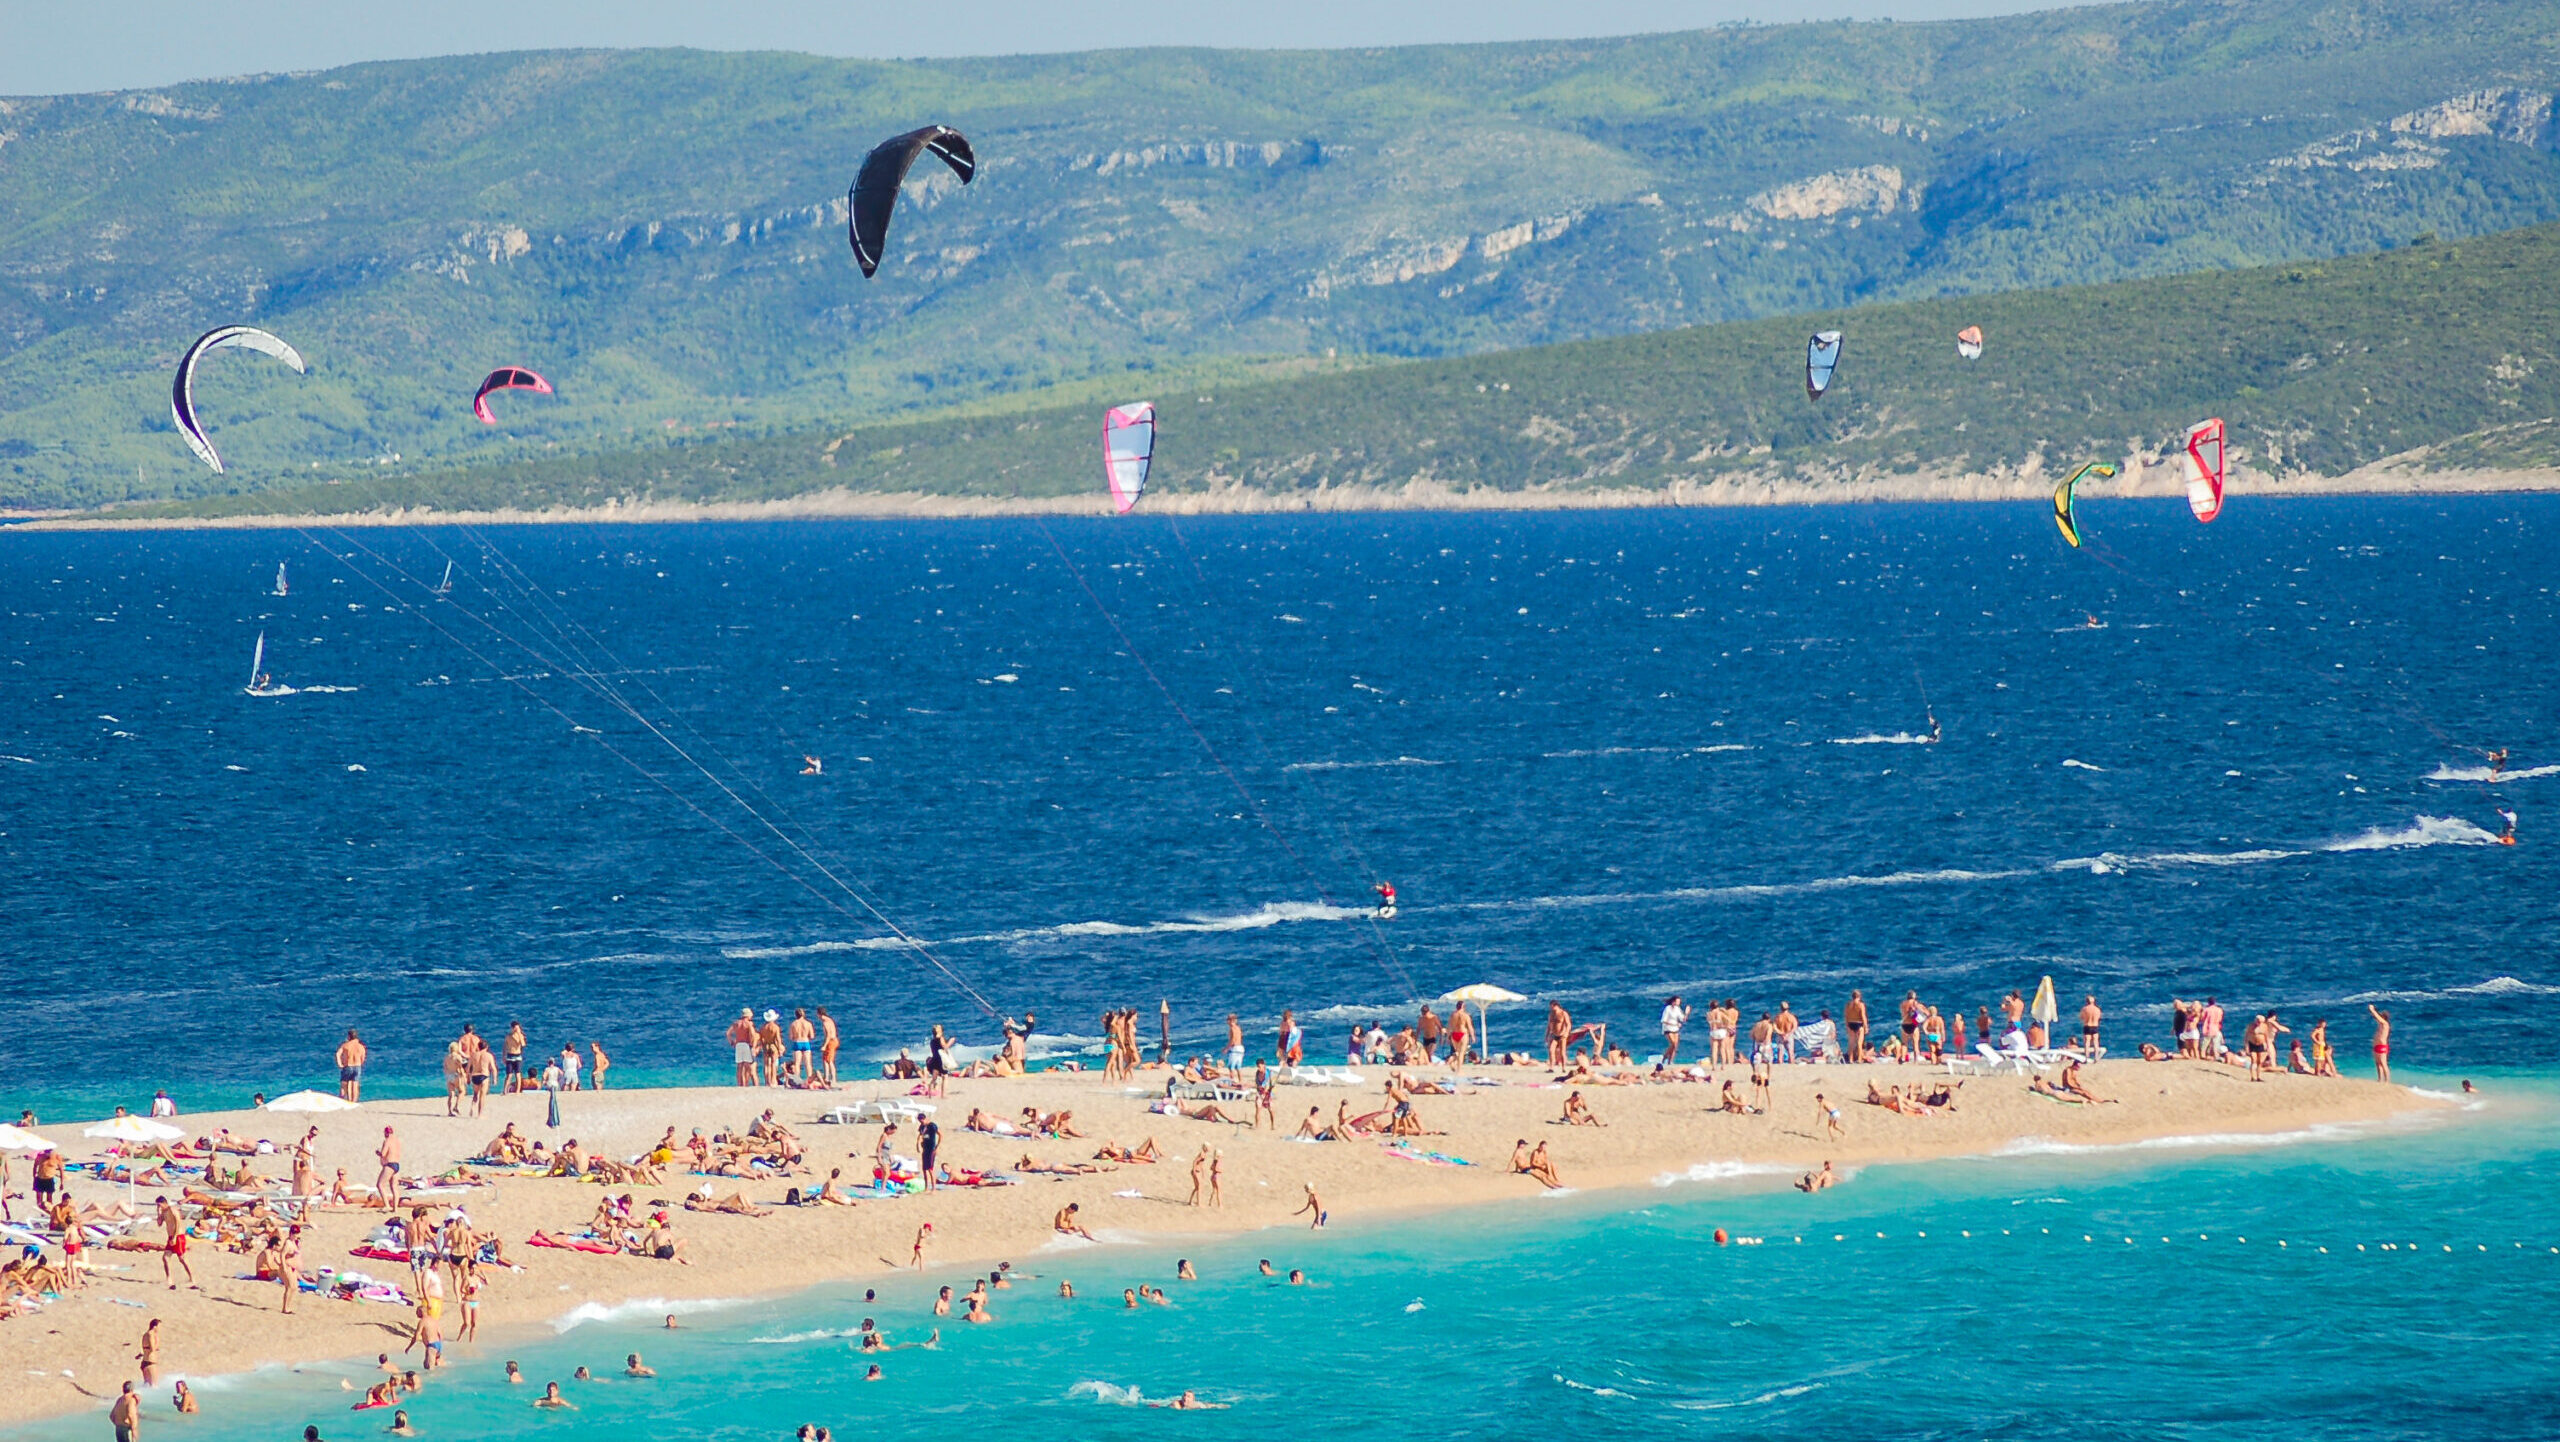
(812, 766)
(2497, 762)
(2508, 836)
(1386, 898)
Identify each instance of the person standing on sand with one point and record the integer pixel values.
(1164, 1030)
(804, 1045)
(2090, 1016)
(2381, 1042)
(1217, 1179)
(288, 1258)
(1292, 1041)
(1314, 1207)
(1559, 1032)
(1199, 1174)
(827, 1044)
(1786, 1026)
(511, 1074)
(149, 1356)
(742, 1045)
(456, 1076)
(924, 1234)
(1461, 1034)
(483, 1068)
(126, 1414)
(1235, 1045)
(173, 1246)
(928, 1146)
(595, 1078)
(386, 1179)
(769, 1049)
(1853, 1020)
(351, 1068)
(1674, 1017)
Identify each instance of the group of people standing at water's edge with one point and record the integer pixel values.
(471, 1068)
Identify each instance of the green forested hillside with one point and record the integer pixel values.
(659, 231)
(2448, 348)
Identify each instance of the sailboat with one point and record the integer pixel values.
(445, 586)
(260, 683)
(280, 589)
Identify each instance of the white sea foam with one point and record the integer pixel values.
(2494, 986)
(1359, 765)
(1275, 913)
(2317, 1132)
(2482, 773)
(586, 1312)
(1111, 1392)
(2426, 831)
(789, 1338)
(2106, 862)
(1720, 1172)
(2082, 765)
(1762, 1400)
(1898, 738)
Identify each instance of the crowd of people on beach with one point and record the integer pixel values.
(216, 1196)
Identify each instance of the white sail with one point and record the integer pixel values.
(445, 586)
(280, 590)
(258, 661)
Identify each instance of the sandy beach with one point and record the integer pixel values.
(1225, 496)
(1653, 1134)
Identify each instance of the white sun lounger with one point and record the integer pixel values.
(899, 1109)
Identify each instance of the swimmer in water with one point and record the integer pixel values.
(1190, 1401)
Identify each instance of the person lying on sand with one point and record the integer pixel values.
(1036, 1167)
(735, 1204)
(1207, 1112)
(1577, 1112)
(979, 1121)
(1145, 1151)
(1816, 1181)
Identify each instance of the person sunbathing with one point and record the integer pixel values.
(1145, 1152)
(979, 1121)
(1036, 1167)
(569, 1161)
(828, 1193)
(1577, 1112)
(1733, 1104)
(1207, 1112)
(2072, 1083)
(735, 1204)
(2044, 1088)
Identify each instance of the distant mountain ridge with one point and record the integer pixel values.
(2394, 368)
(661, 232)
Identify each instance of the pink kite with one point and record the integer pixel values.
(506, 378)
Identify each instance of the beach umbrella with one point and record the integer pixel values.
(2043, 1008)
(1481, 993)
(130, 1128)
(309, 1101)
(19, 1139)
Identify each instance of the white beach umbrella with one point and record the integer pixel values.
(1481, 993)
(308, 1101)
(19, 1139)
(2043, 1008)
(131, 1128)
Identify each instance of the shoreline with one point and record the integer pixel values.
(1423, 495)
(1658, 1136)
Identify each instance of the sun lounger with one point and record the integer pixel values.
(1319, 1076)
(897, 1110)
(1210, 1092)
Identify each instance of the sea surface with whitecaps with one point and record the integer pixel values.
(1771, 754)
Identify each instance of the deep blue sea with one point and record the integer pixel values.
(1602, 757)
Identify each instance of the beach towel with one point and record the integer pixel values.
(377, 1252)
(1417, 1154)
(574, 1244)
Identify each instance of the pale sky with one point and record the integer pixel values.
(52, 47)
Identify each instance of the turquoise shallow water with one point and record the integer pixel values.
(2153, 1291)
